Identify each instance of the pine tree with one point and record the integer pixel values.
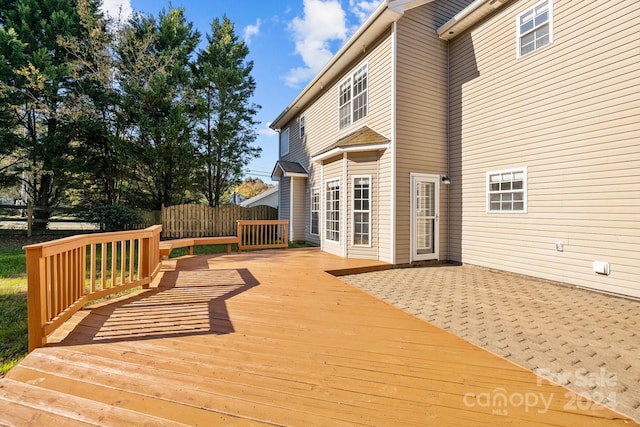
(159, 103)
(37, 90)
(227, 127)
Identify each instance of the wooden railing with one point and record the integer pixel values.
(63, 275)
(262, 234)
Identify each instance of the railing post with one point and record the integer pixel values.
(286, 234)
(145, 249)
(36, 297)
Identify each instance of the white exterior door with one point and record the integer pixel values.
(425, 193)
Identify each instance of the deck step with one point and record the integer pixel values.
(29, 404)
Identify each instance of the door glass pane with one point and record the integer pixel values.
(425, 218)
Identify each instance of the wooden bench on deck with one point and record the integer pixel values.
(168, 245)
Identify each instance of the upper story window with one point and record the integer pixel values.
(301, 127)
(507, 191)
(353, 97)
(284, 142)
(535, 27)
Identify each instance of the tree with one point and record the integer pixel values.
(11, 49)
(227, 127)
(37, 93)
(100, 156)
(156, 81)
(251, 187)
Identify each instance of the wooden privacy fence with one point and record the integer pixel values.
(64, 274)
(181, 221)
(263, 234)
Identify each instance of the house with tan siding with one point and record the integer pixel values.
(499, 133)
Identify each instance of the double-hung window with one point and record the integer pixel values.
(353, 97)
(535, 27)
(284, 142)
(332, 210)
(361, 211)
(507, 191)
(315, 210)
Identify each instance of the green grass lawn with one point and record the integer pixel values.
(13, 303)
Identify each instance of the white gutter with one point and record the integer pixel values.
(447, 30)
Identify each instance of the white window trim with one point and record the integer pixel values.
(282, 134)
(319, 210)
(519, 35)
(353, 210)
(324, 209)
(301, 127)
(351, 81)
(525, 195)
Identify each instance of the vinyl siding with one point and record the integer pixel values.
(298, 222)
(322, 129)
(421, 134)
(284, 203)
(569, 113)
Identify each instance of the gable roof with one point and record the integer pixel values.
(388, 12)
(288, 169)
(363, 139)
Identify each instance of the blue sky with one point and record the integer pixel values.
(289, 42)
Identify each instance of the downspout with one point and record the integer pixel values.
(345, 206)
(321, 216)
(448, 149)
(392, 227)
(291, 197)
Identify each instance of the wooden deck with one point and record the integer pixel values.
(270, 338)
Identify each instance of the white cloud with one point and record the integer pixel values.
(267, 131)
(323, 21)
(362, 9)
(250, 31)
(118, 10)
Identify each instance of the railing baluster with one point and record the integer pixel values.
(114, 259)
(123, 260)
(131, 254)
(92, 270)
(103, 267)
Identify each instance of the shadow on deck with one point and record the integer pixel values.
(270, 338)
(189, 300)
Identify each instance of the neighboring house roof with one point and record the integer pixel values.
(468, 16)
(364, 139)
(288, 169)
(255, 200)
(387, 13)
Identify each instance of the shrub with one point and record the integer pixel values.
(115, 217)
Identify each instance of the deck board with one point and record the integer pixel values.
(268, 338)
